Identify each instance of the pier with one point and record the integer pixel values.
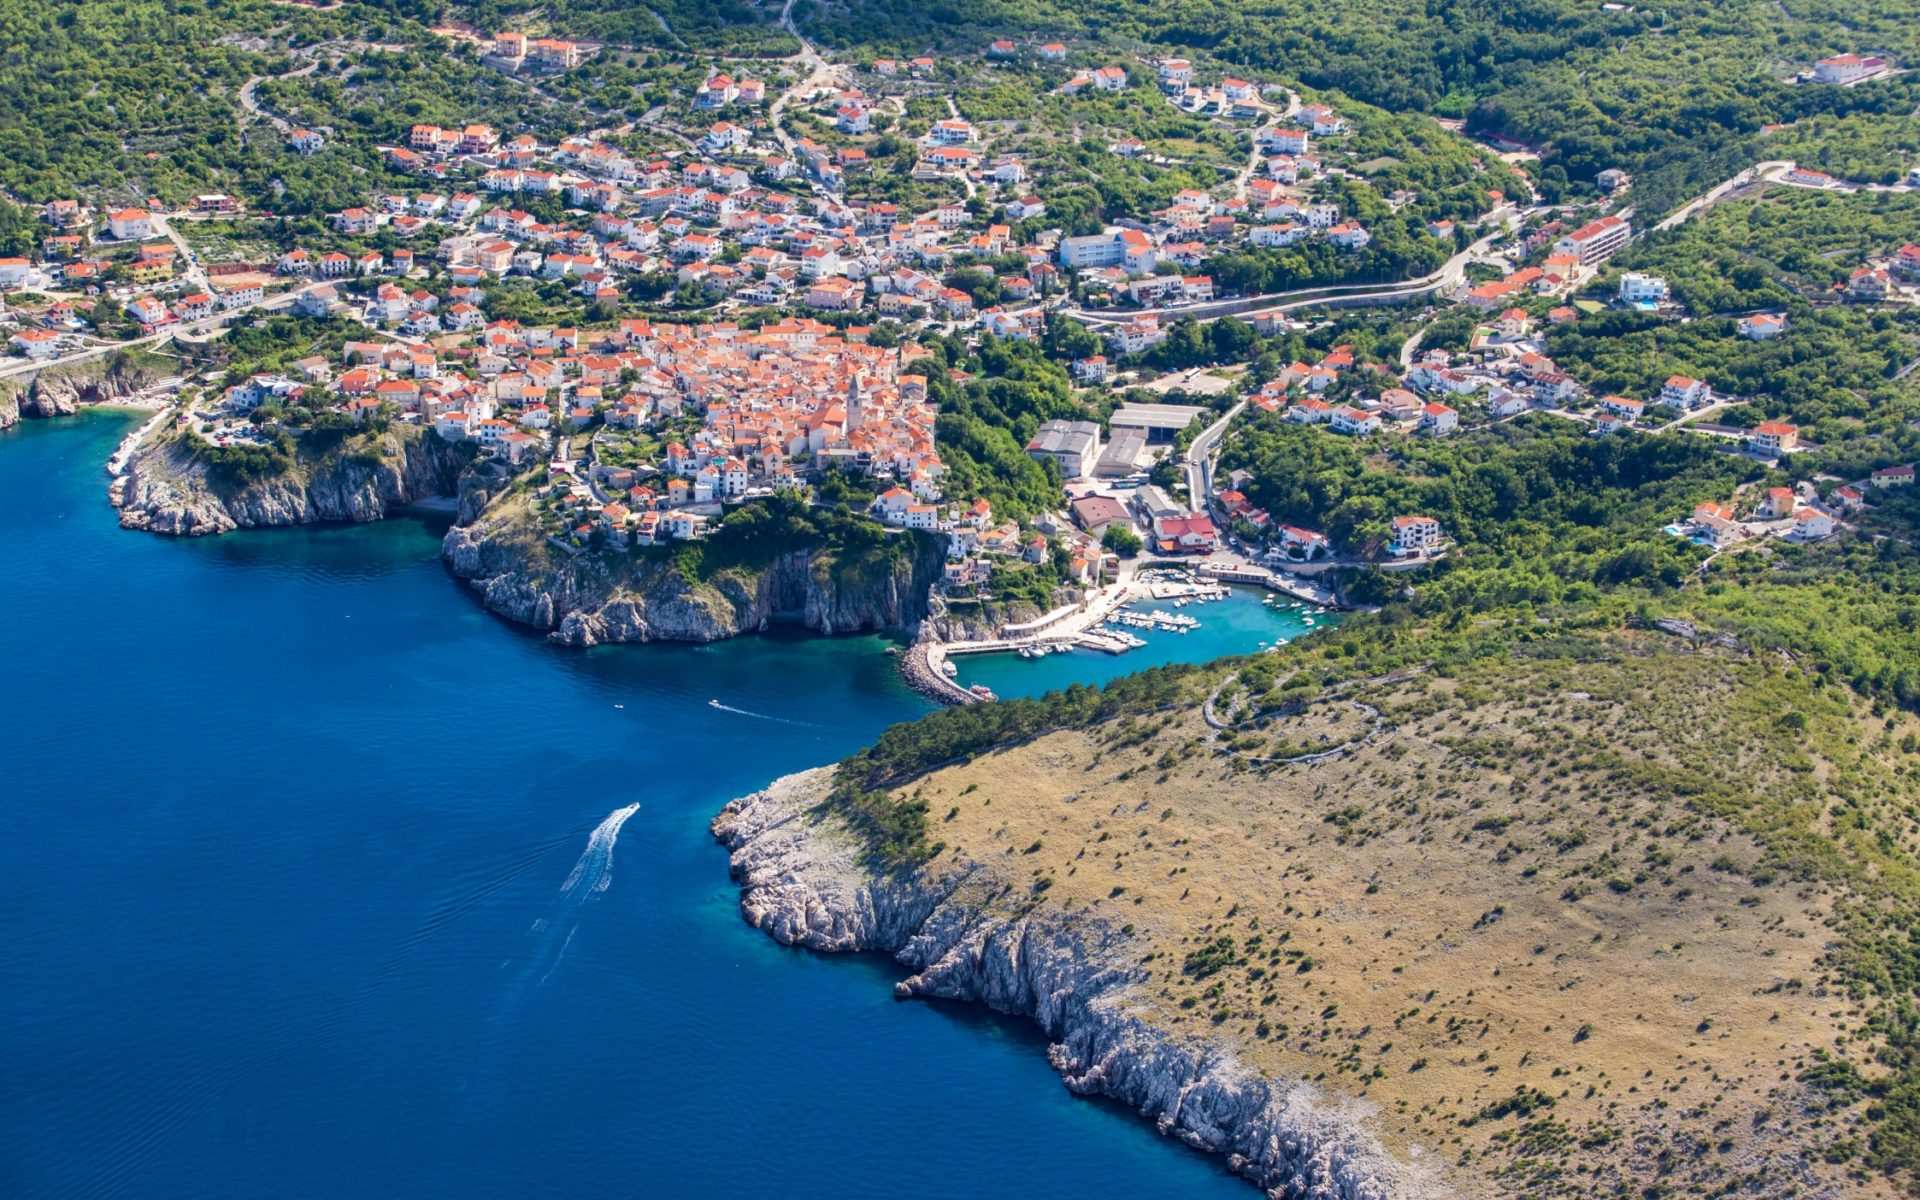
(117, 461)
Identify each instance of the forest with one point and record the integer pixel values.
(1764, 252)
(1539, 511)
(1832, 372)
(985, 423)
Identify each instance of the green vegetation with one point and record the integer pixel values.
(1121, 539)
(1541, 512)
(852, 548)
(1832, 372)
(1790, 243)
(986, 422)
(1677, 96)
(1861, 147)
(723, 26)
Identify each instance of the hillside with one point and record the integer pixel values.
(764, 564)
(1582, 912)
(1673, 94)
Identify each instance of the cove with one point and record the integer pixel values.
(304, 897)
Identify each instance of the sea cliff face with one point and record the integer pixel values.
(968, 934)
(594, 598)
(61, 391)
(171, 489)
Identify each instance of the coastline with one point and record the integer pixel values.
(965, 933)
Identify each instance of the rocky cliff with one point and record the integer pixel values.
(589, 598)
(60, 391)
(968, 934)
(173, 487)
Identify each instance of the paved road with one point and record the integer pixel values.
(1200, 455)
(205, 328)
(1254, 156)
(191, 270)
(1451, 274)
(820, 73)
(1772, 168)
(252, 104)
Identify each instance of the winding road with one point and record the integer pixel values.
(1451, 274)
(205, 327)
(820, 73)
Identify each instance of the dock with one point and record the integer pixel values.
(1299, 589)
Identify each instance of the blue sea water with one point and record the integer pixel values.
(1248, 620)
(315, 881)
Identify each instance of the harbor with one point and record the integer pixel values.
(1150, 630)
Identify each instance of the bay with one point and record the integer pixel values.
(287, 830)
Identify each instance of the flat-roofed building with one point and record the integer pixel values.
(1125, 445)
(1155, 505)
(1161, 422)
(1075, 445)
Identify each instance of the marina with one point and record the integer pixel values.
(1149, 632)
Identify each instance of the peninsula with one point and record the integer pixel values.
(1547, 923)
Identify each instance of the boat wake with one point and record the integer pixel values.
(591, 875)
(595, 868)
(728, 708)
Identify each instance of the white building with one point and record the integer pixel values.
(1075, 445)
(1414, 535)
(1636, 288)
(1597, 240)
(130, 224)
(1847, 68)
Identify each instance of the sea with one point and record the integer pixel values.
(316, 880)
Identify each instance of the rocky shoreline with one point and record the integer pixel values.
(63, 391)
(967, 934)
(596, 599)
(169, 488)
(916, 668)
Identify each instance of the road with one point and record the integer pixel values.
(1410, 347)
(252, 104)
(191, 270)
(1451, 274)
(820, 73)
(1254, 156)
(205, 327)
(1769, 169)
(1200, 454)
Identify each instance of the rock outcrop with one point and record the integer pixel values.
(171, 488)
(61, 391)
(588, 599)
(968, 934)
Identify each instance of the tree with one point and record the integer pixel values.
(1122, 540)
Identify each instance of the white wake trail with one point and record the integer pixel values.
(595, 868)
(728, 708)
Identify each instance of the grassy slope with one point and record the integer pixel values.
(1589, 918)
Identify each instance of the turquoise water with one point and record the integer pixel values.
(1242, 623)
(286, 838)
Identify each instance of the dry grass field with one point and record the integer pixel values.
(1578, 925)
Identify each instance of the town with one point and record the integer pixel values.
(787, 306)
